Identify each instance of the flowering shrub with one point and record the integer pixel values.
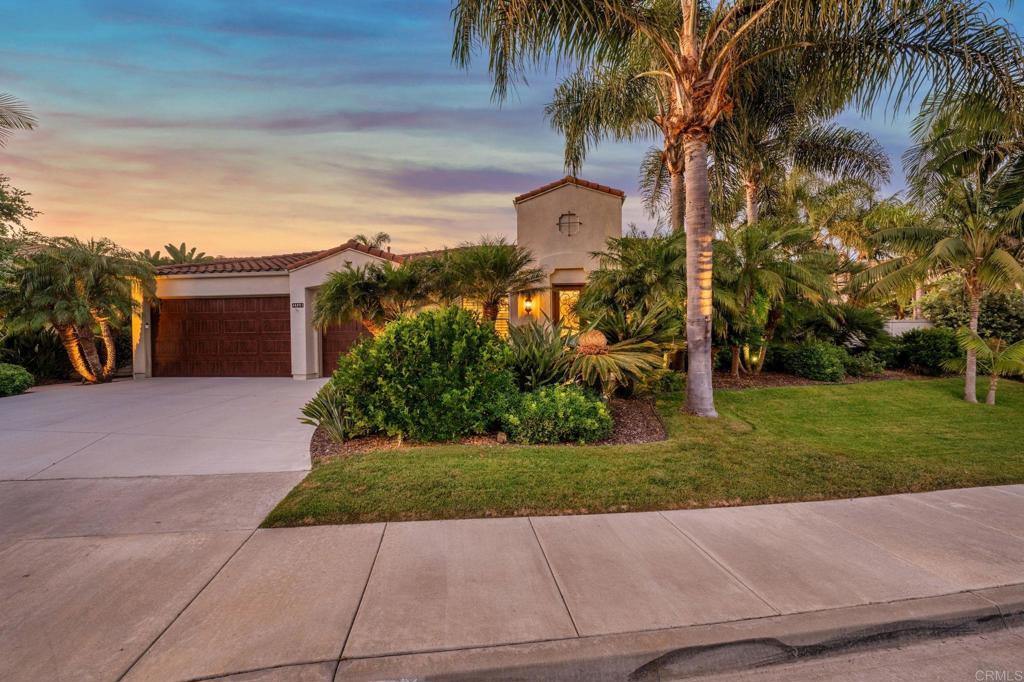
(558, 414)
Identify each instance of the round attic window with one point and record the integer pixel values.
(569, 224)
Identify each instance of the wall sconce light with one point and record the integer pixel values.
(528, 305)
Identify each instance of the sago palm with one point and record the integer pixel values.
(701, 57)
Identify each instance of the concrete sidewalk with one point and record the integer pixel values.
(417, 599)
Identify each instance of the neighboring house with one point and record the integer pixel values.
(253, 316)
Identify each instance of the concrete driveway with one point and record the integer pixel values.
(155, 427)
(119, 503)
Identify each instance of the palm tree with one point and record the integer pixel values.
(183, 254)
(373, 294)
(636, 273)
(491, 269)
(770, 138)
(700, 58)
(14, 115)
(766, 264)
(80, 289)
(966, 173)
(995, 356)
(377, 241)
(154, 257)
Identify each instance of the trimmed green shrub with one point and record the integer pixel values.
(816, 360)
(864, 364)
(14, 379)
(436, 376)
(886, 348)
(926, 351)
(558, 414)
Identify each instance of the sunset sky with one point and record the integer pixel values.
(262, 127)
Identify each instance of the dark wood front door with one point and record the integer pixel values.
(222, 337)
(336, 341)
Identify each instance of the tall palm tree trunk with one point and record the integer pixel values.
(677, 199)
(700, 399)
(69, 337)
(109, 347)
(490, 310)
(971, 373)
(993, 384)
(87, 342)
(753, 208)
(918, 294)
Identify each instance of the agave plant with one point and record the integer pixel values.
(607, 367)
(327, 411)
(994, 356)
(539, 356)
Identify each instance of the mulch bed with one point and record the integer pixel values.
(636, 421)
(725, 381)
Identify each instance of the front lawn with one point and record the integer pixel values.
(770, 445)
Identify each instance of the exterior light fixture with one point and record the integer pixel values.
(528, 304)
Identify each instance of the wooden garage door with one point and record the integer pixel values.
(222, 337)
(337, 340)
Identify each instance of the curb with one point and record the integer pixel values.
(693, 651)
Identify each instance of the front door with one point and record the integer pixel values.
(564, 298)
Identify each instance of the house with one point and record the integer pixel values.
(253, 316)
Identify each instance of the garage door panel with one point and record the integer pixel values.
(276, 304)
(202, 326)
(241, 305)
(272, 326)
(249, 326)
(275, 345)
(336, 341)
(239, 347)
(222, 337)
(275, 368)
(201, 306)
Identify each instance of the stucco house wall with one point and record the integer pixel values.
(564, 255)
(565, 258)
(303, 283)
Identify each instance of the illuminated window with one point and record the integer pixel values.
(569, 224)
(565, 307)
(501, 324)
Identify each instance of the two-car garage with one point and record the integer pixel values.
(245, 317)
(222, 337)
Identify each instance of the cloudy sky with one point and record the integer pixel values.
(257, 127)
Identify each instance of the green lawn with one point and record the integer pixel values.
(770, 445)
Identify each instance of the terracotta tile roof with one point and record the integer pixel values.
(570, 180)
(242, 264)
(351, 244)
